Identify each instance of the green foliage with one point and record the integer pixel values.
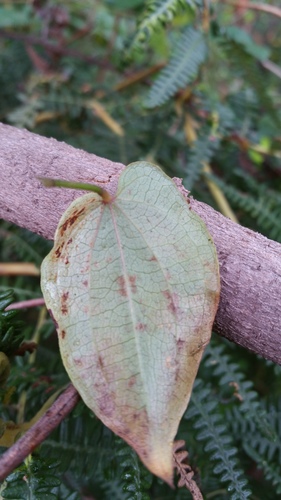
(35, 479)
(229, 374)
(262, 204)
(239, 46)
(11, 334)
(136, 479)
(158, 13)
(217, 105)
(220, 447)
(190, 53)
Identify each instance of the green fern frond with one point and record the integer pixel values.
(11, 334)
(25, 245)
(245, 57)
(229, 374)
(76, 437)
(182, 69)
(136, 478)
(158, 13)
(202, 151)
(202, 411)
(271, 471)
(241, 37)
(265, 209)
(249, 434)
(207, 144)
(34, 479)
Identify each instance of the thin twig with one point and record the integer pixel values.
(39, 432)
(26, 303)
(271, 66)
(269, 9)
(18, 269)
(55, 48)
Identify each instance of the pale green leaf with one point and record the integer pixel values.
(133, 286)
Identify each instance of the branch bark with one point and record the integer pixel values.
(249, 313)
(39, 431)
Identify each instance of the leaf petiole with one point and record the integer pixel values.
(48, 182)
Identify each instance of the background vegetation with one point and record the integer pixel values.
(193, 86)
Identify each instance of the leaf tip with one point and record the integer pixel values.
(161, 464)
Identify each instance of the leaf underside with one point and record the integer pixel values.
(133, 287)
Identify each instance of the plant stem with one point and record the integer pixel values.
(47, 182)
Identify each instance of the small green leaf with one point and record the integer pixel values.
(133, 286)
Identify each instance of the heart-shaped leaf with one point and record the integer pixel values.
(133, 287)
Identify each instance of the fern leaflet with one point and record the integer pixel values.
(230, 374)
(136, 479)
(190, 53)
(271, 471)
(35, 479)
(158, 13)
(245, 56)
(264, 207)
(212, 429)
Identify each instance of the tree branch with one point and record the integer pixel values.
(262, 7)
(39, 431)
(250, 308)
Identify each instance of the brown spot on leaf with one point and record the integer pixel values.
(171, 302)
(66, 260)
(100, 362)
(132, 381)
(85, 283)
(122, 289)
(153, 258)
(69, 241)
(132, 280)
(180, 343)
(122, 285)
(141, 327)
(59, 250)
(71, 220)
(64, 308)
(63, 333)
(52, 317)
(78, 362)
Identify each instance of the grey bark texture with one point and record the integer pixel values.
(249, 312)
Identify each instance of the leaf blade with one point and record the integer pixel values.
(145, 303)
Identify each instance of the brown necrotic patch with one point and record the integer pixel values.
(132, 280)
(100, 361)
(171, 302)
(141, 327)
(71, 220)
(64, 298)
(122, 285)
(63, 333)
(132, 381)
(59, 250)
